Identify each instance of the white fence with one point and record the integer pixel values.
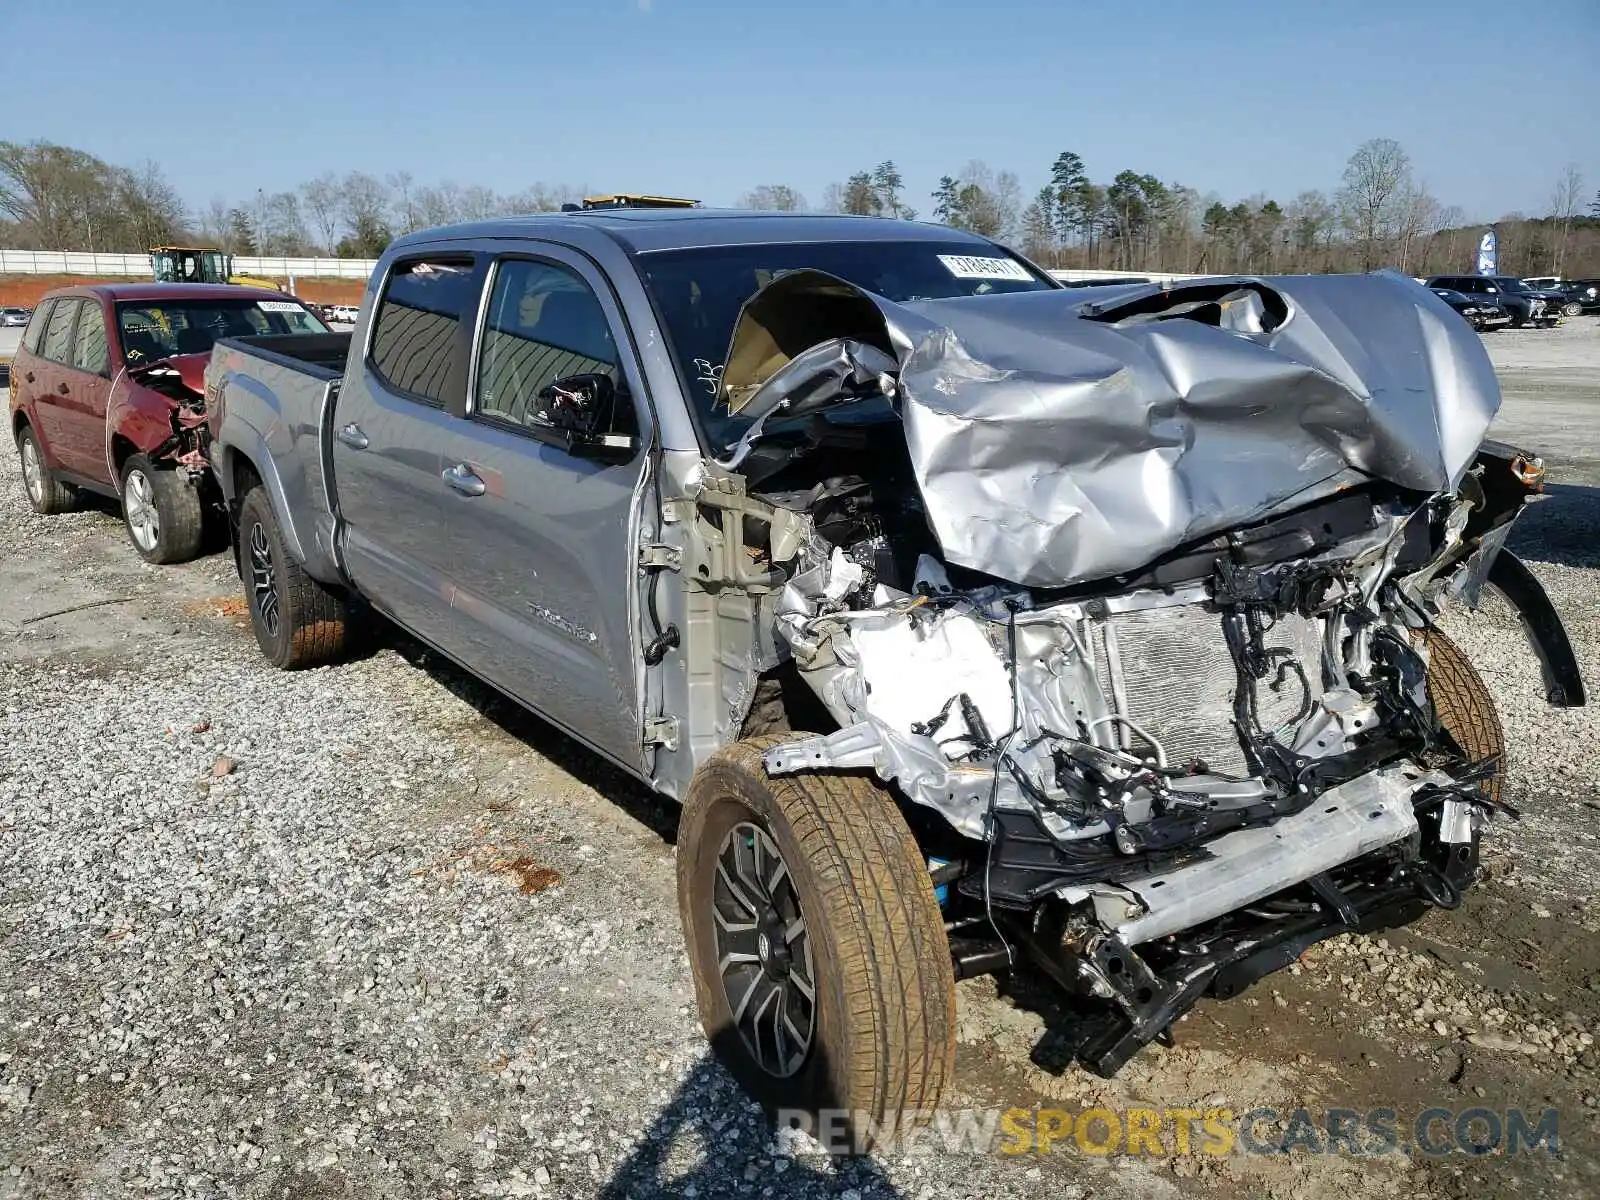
(137, 266)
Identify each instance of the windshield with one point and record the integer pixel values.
(698, 294)
(152, 331)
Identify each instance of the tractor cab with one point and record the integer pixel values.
(190, 264)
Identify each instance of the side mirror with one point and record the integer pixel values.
(582, 411)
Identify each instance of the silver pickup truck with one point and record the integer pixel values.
(978, 624)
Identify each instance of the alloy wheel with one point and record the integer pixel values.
(764, 951)
(32, 471)
(139, 503)
(263, 580)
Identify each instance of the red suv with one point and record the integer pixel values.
(108, 396)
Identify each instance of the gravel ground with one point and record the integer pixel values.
(369, 931)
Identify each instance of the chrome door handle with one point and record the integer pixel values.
(461, 478)
(352, 436)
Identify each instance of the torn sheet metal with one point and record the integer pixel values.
(1056, 440)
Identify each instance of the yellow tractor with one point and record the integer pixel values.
(200, 264)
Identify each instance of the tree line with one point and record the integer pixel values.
(1380, 214)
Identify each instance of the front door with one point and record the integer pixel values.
(543, 549)
(389, 424)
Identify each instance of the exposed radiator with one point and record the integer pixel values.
(1171, 674)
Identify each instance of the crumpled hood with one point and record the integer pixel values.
(1058, 440)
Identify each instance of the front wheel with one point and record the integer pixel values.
(1464, 708)
(1571, 309)
(818, 951)
(162, 510)
(298, 621)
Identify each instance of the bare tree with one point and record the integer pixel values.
(1375, 179)
(1311, 220)
(323, 202)
(402, 185)
(212, 221)
(773, 197)
(152, 210)
(1564, 202)
(363, 199)
(1417, 215)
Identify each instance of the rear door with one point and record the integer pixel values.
(542, 543)
(44, 378)
(87, 379)
(389, 423)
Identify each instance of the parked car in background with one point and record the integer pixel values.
(1586, 292)
(345, 314)
(1571, 301)
(1527, 306)
(1544, 282)
(1481, 312)
(14, 317)
(691, 484)
(107, 395)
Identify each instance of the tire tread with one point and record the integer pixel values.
(884, 921)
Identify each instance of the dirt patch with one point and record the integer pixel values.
(217, 606)
(510, 859)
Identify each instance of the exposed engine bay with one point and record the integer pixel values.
(180, 379)
(1164, 709)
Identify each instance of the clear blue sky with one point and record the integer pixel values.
(707, 98)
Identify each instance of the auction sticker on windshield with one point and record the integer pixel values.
(967, 266)
(278, 306)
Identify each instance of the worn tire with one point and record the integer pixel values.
(46, 495)
(298, 620)
(174, 499)
(1464, 706)
(882, 1048)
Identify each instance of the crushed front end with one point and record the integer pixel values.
(1159, 740)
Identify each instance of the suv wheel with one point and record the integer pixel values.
(1571, 309)
(818, 951)
(298, 621)
(162, 510)
(44, 493)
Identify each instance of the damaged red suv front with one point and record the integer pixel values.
(108, 396)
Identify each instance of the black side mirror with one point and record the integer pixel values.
(582, 410)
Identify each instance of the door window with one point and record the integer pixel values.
(57, 344)
(415, 344)
(33, 335)
(89, 352)
(545, 325)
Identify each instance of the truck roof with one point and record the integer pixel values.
(646, 229)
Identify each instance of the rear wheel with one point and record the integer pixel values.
(818, 951)
(162, 510)
(44, 493)
(298, 621)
